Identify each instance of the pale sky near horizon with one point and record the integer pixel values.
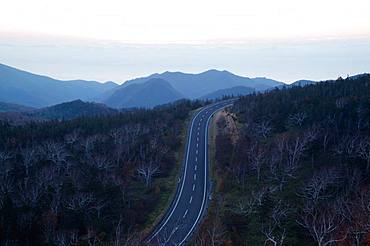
(118, 40)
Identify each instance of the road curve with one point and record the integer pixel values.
(193, 187)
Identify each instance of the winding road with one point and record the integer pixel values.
(192, 193)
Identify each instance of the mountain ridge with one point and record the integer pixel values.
(29, 89)
(195, 85)
(155, 91)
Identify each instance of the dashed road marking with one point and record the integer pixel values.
(186, 212)
(191, 199)
(195, 168)
(195, 176)
(193, 187)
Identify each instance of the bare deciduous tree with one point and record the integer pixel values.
(356, 209)
(245, 207)
(298, 118)
(147, 171)
(6, 187)
(118, 233)
(323, 224)
(326, 137)
(29, 193)
(256, 158)
(346, 147)
(295, 151)
(259, 195)
(56, 200)
(363, 151)
(30, 157)
(92, 236)
(274, 230)
(72, 138)
(57, 154)
(316, 188)
(5, 166)
(100, 162)
(81, 201)
(263, 129)
(61, 239)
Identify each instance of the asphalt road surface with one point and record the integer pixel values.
(192, 194)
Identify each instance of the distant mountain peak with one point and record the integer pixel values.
(152, 92)
(196, 85)
(215, 71)
(170, 73)
(25, 88)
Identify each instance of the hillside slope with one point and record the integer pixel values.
(73, 109)
(21, 87)
(145, 95)
(11, 107)
(297, 163)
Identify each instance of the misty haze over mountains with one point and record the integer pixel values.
(20, 87)
(24, 88)
(26, 97)
(21, 91)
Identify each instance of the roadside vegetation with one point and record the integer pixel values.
(295, 171)
(88, 181)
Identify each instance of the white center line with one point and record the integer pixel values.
(196, 152)
(195, 176)
(198, 133)
(196, 159)
(186, 212)
(191, 199)
(184, 175)
(197, 145)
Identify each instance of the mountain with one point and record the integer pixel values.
(73, 109)
(148, 94)
(303, 82)
(357, 76)
(233, 91)
(11, 107)
(63, 111)
(21, 87)
(196, 85)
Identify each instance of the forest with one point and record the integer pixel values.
(296, 172)
(90, 180)
(290, 167)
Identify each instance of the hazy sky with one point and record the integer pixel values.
(117, 39)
